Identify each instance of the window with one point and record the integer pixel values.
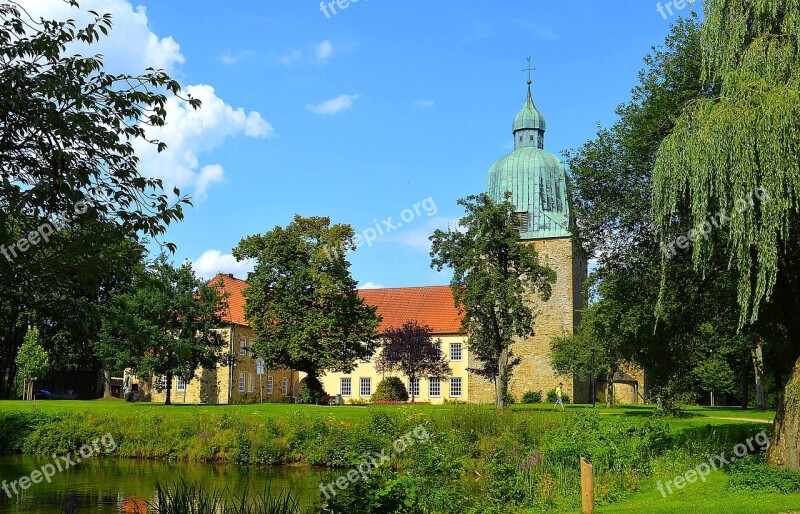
(243, 346)
(455, 386)
(523, 221)
(252, 387)
(270, 384)
(285, 386)
(368, 358)
(163, 382)
(434, 387)
(366, 387)
(242, 379)
(413, 387)
(345, 386)
(455, 351)
(180, 384)
(531, 138)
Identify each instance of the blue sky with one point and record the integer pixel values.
(365, 113)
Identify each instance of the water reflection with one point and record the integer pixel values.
(108, 485)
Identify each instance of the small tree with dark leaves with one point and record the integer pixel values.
(412, 351)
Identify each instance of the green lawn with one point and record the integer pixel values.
(695, 416)
(706, 497)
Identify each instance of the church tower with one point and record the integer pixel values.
(537, 182)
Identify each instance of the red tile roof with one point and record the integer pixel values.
(234, 287)
(431, 305)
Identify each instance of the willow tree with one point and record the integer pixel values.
(737, 144)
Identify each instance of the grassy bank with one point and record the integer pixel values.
(471, 458)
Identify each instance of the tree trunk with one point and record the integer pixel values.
(501, 384)
(712, 397)
(784, 450)
(107, 380)
(168, 401)
(610, 389)
(411, 386)
(745, 386)
(758, 368)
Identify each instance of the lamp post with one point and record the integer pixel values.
(591, 376)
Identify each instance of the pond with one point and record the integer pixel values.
(109, 485)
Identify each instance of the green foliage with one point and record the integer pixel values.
(752, 476)
(32, 361)
(492, 274)
(183, 498)
(70, 176)
(715, 375)
(177, 315)
(615, 443)
(532, 397)
(302, 301)
(740, 141)
(390, 389)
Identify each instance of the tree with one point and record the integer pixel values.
(411, 350)
(727, 148)
(715, 376)
(302, 301)
(177, 316)
(70, 181)
(32, 361)
(493, 275)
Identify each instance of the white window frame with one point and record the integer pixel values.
(251, 387)
(180, 382)
(164, 382)
(454, 346)
(243, 346)
(270, 384)
(348, 390)
(242, 382)
(433, 381)
(453, 382)
(413, 388)
(285, 386)
(365, 381)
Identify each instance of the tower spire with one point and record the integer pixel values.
(529, 70)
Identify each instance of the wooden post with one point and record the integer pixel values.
(587, 486)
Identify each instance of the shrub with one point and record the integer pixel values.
(390, 389)
(749, 475)
(533, 397)
(551, 396)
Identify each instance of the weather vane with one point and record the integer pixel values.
(529, 70)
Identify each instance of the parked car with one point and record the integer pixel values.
(42, 394)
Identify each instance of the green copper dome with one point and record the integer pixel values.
(536, 179)
(529, 117)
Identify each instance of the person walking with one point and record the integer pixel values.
(559, 400)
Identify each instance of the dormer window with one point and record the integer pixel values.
(523, 221)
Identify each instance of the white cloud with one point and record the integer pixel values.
(131, 47)
(424, 104)
(229, 57)
(214, 261)
(189, 132)
(323, 51)
(370, 285)
(334, 105)
(290, 58)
